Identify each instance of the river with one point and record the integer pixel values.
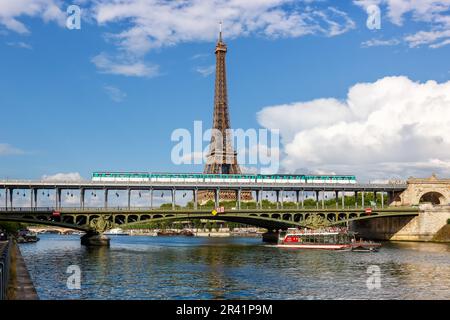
(139, 267)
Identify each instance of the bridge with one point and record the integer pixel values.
(402, 201)
(9, 187)
(100, 219)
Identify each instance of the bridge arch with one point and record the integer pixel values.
(119, 219)
(132, 218)
(433, 197)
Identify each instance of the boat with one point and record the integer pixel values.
(27, 236)
(116, 232)
(166, 233)
(333, 238)
(186, 233)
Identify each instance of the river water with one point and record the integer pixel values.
(139, 267)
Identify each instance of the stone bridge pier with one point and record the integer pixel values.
(432, 196)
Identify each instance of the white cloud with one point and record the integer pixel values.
(393, 127)
(71, 176)
(11, 11)
(379, 42)
(20, 44)
(200, 56)
(115, 94)
(249, 170)
(435, 39)
(194, 157)
(206, 71)
(124, 66)
(432, 13)
(155, 24)
(7, 150)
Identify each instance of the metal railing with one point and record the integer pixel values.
(5, 256)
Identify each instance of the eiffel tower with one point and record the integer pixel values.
(222, 158)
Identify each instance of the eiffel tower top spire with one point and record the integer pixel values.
(222, 159)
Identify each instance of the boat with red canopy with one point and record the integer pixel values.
(332, 238)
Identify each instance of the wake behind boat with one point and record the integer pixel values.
(327, 239)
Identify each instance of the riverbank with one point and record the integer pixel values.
(221, 233)
(21, 286)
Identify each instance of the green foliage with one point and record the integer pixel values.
(448, 221)
(190, 205)
(12, 227)
(210, 204)
(169, 206)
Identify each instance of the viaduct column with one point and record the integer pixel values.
(282, 198)
(173, 198)
(6, 198)
(303, 198)
(356, 199)
(257, 199)
(35, 198)
(238, 197)
(260, 198)
(129, 199)
(277, 194)
(336, 198)
(375, 198)
(82, 194)
(317, 199)
(323, 199)
(382, 199)
(57, 198)
(106, 199)
(343, 199)
(195, 199)
(11, 195)
(217, 197)
(297, 198)
(151, 198)
(362, 199)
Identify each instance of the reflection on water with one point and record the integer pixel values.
(233, 268)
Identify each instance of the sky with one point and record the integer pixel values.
(346, 96)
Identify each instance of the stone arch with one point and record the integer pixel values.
(433, 197)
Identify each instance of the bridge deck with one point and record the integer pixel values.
(93, 185)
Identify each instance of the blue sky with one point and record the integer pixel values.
(63, 111)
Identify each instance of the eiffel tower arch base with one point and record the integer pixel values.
(225, 195)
